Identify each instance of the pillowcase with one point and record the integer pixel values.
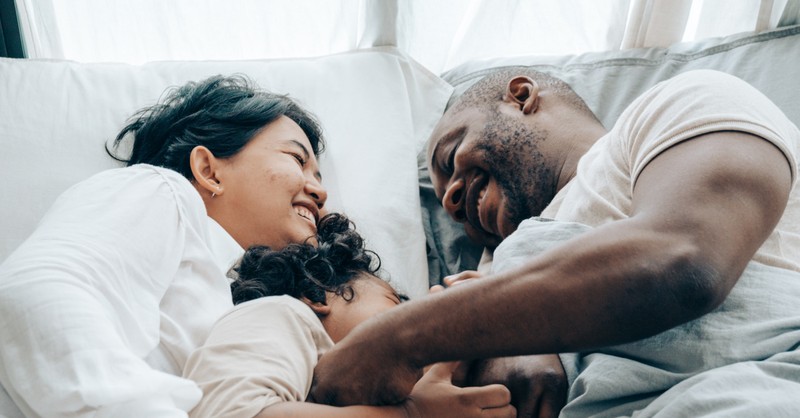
(376, 107)
(608, 82)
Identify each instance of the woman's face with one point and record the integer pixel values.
(272, 192)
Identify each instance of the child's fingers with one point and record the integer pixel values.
(461, 277)
(506, 411)
(442, 371)
(435, 289)
(490, 396)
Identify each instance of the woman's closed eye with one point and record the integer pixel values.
(300, 159)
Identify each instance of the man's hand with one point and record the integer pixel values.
(538, 384)
(434, 396)
(362, 373)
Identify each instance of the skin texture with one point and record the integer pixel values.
(276, 173)
(674, 259)
(371, 296)
(434, 395)
(538, 383)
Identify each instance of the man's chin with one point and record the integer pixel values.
(483, 238)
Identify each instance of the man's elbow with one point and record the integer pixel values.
(698, 287)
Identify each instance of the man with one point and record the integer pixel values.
(691, 190)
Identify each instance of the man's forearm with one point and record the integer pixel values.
(598, 289)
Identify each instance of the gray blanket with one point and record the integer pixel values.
(740, 360)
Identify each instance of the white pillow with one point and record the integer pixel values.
(376, 106)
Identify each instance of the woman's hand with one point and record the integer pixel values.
(538, 383)
(435, 396)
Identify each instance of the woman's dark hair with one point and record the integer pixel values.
(305, 270)
(221, 113)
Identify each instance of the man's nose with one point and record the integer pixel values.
(453, 201)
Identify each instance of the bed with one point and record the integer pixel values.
(377, 107)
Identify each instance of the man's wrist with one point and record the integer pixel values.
(409, 409)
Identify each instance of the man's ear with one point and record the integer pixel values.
(319, 308)
(204, 167)
(524, 92)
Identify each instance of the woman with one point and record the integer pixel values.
(126, 273)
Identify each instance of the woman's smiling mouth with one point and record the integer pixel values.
(304, 212)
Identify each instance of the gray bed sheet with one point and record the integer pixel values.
(740, 360)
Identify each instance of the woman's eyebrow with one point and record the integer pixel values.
(306, 154)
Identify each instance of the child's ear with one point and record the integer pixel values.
(319, 308)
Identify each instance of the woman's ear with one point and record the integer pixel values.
(204, 167)
(320, 308)
(524, 92)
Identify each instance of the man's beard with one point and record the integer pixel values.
(526, 181)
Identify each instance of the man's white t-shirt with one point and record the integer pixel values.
(101, 306)
(678, 109)
(742, 356)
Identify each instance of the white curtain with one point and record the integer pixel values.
(439, 34)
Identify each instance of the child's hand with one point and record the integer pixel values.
(460, 278)
(455, 279)
(434, 396)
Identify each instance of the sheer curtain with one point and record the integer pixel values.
(439, 34)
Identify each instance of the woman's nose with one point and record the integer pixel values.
(453, 201)
(317, 192)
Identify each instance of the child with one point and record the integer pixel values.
(292, 306)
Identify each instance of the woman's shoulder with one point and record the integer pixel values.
(141, 185)
(143, 176)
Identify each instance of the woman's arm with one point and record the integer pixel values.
(79, 303)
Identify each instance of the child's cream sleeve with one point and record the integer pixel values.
(260, 353)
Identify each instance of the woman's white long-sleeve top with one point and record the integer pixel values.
(102, 304)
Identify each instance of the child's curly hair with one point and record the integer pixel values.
(305, 270)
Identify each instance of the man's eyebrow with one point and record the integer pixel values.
(306, 155)
(449, 137)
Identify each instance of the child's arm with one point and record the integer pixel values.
(434, 396)
(312, 410)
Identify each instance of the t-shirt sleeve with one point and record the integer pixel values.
(79, 302)
(261, 353)
(696, 103)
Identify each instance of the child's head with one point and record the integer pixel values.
(336, 278)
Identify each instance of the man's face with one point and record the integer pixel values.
(488, 171)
